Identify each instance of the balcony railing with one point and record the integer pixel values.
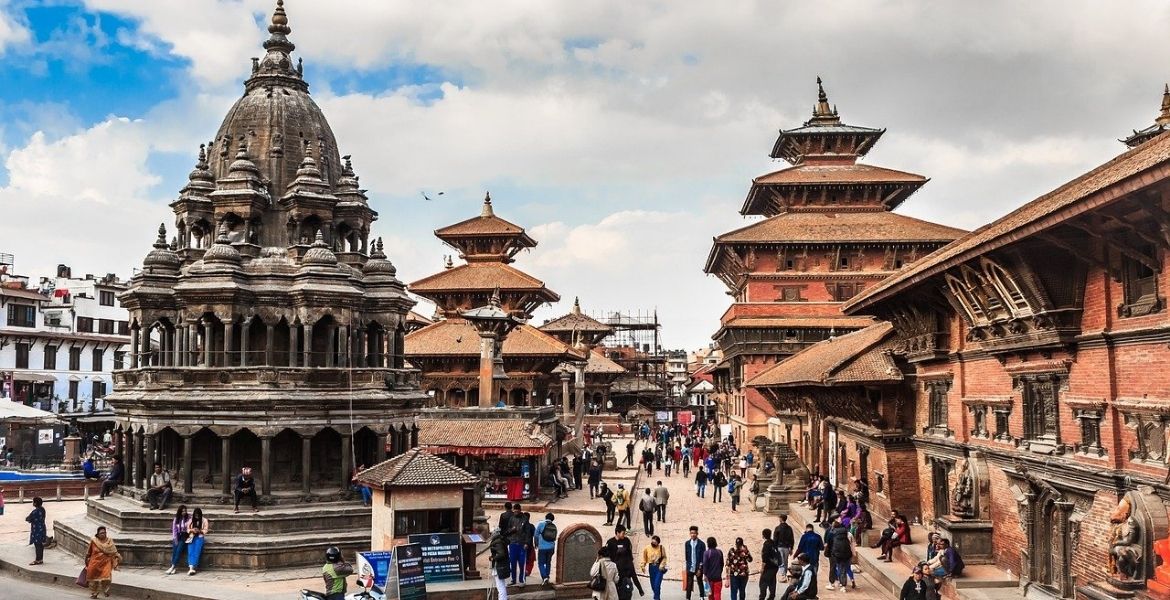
(356, 377)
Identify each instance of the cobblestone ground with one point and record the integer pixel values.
(684, 509)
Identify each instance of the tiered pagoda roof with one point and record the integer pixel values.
(1142, 136)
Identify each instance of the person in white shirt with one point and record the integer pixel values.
(159, 491)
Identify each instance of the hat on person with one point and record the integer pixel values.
(621, 486)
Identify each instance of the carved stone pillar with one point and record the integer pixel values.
(565, 376)
(306, 462)
(207, 337)
(192, 359)
(229, 331)
(345, 462)
(413, 438)
(134, 348)
(188, 476)
(361, 359)
(294, 335)
(381, 453)
(181, 346)
(245, 336)
(265, 464)
(308, 327)
(343, 345)
(330, 344)
(225, 464)
(139, 461)
(149, 454)
(269, 342)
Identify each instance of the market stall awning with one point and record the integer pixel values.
(16, 411)
(483, 437)
(36, 376)
(485, 451)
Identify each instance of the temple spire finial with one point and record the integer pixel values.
(161, 242)
(823, 111)
(487, 206)
(279, 22)
(1164, 115)
(576, 305)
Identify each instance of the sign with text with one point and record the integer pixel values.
(442, 555)
(662, 416)
(374, 567)
(685, 417)
(412, 584)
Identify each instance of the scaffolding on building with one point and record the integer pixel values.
(636, 345)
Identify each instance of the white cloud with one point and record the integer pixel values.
(12, 31)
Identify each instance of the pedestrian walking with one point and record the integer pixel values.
(498, 546)
(739, 562)
(693, 551)
(733, 490)
(197, 530)
(661, 497)
(578, 470)
(648, 507)
(769, 567)
(915, 586)
(810, 546)
(605, 573)
(622, 501)
(37, 533)
(701, 483)
(517, 559)
(101, 559)
(179, 527)
(621, 551)
(667, 463)
(784, 539)
(546, 544)
(630, 453)
(654, 564)
(713, 568)
(718, 484)
(610, 507)
(529, 545)
(594, 479)
(840, 555)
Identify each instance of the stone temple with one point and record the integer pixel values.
(267, 333)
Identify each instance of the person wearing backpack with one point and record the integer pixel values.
(734, 488)
(498, 545)
(603, 577)
(720, 482)
(840, 554)
(622, 500)
(546, 544)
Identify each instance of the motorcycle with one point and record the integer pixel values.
(373, 593)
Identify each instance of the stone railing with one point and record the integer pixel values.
(377, 377)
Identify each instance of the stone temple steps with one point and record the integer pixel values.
(275, 538)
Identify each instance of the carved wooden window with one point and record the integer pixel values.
(1090, 421)
(879, 482)
(22, 352)
(979, 419)
(958, 291)
(1140, 284)
(1002, 432)
(789, 293)
(1006, 286)
(1151, 438)
(940, 486)
(844, 291)
(937, 409)
(1041, 412)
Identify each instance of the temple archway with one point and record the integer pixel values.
(245, 452)
(286, 459)
(326, 456)
(365, 448)
(519, 397)
(205, 458)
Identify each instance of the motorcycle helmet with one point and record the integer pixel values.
(333, 554)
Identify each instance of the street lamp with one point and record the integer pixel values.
(493, 324)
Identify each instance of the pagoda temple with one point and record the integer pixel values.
(267, 334)
(447, 351)
(828, 232)
(598, 372)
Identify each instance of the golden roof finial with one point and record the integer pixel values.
(487, 211)
(823, 110)
(1164, 115)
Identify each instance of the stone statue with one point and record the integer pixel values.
(1125, 548)
(962, 499)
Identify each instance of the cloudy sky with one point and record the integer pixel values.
(624, 135)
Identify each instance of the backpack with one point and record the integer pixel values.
(619, 497)
(549, 533)
(597, 583)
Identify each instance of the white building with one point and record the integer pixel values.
(60, 340)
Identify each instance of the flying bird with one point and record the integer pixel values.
(428, 198)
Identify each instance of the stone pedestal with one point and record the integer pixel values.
(971, 537)
(1106, 591)
(72, 453)
(609, 463)
(780, 496)
(760, 502)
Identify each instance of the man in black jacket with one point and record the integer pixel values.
(621, 551)
(771, 564)
(518, 539)
(693, 550)
(578, 470)
(785, 541)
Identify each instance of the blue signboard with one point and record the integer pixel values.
(375, 566)
(442, 555)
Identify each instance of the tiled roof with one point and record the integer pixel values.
(1044, 212)
(458, 337)
(23, 294)
(843, 322)
(487, 433)
(814, 174)
(631, 384)
(598, 363)
(575, 321)
(479, 276)
(814, 227)
(416, 467)
(417, 318)
(851, 358)
(480, 225)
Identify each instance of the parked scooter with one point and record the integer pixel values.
(374, 593)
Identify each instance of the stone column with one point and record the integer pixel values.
(228, 336)
(565, 375)
(330, 344)
(181, 346)
(245, 335)
(188, 477)
(343, 344)
(265, 464)
(381, 454)
(579, 395)
(413, 438)
(225, 462)
(134, 348)
(345, 461)
(360, 357)
(269, 342)
(306, 462)
(294, 335)
(149, 453)
(139, 461)
(128, 456)
(192, 344)
(487, 387)
(308, 344)
(207, 337)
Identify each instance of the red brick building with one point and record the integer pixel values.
(1033, 384)
(827, 233)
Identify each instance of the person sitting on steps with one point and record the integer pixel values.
(245, 487)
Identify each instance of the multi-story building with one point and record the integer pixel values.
(828, 232)
(1017, 396)
(61, 340)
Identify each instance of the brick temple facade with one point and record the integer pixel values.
(828, 231)
(1015, 395)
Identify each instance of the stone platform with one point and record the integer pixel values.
(276, 537)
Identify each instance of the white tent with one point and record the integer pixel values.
(16, 411)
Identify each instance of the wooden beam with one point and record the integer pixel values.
(1132, 227)
(1081, 255)
(1124, 248)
